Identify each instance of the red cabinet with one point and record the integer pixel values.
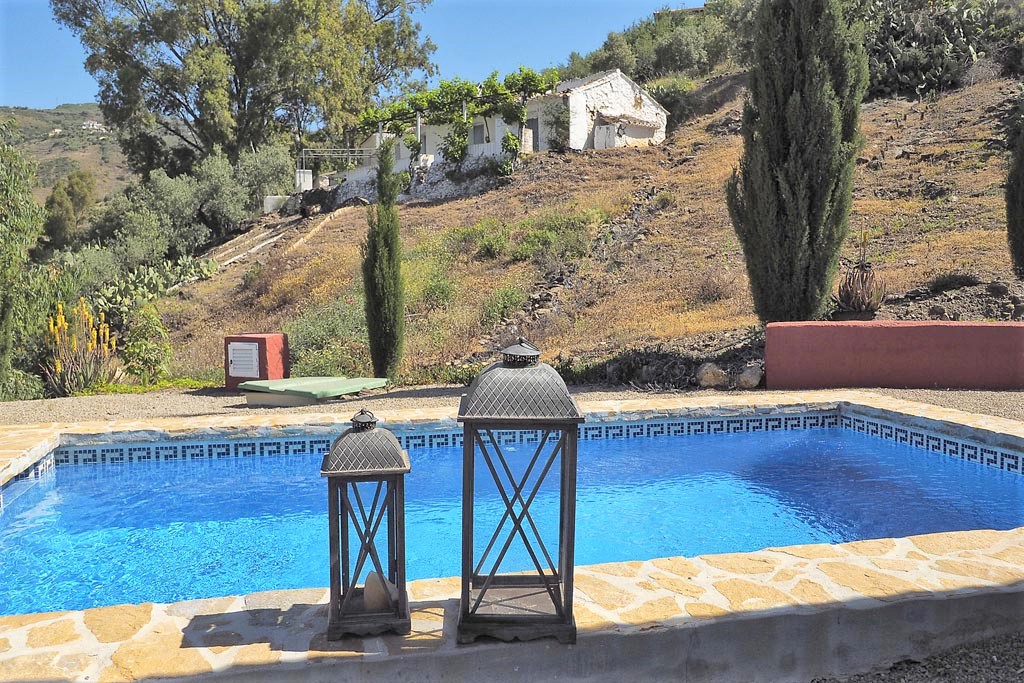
(255, 356)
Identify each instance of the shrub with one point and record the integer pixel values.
(790, 199)
(664, 200)
(21, 386)
(502, 303)
(440, 290)
(556, 118)
(176, 202)
(330, 340)
(222, 201)
(677, 94)
(267, 171)
(860, 291)
(713, 285)
(454, 146)
(82, 351)
(920, 46)
(615, 53)
(60, 217)
(555, 238)
(1015, 195)
(495, 240)
(146, 350)
(954, 279)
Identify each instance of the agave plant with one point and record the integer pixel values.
(860, 291)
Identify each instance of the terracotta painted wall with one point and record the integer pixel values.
(273, 363)
(946, 355)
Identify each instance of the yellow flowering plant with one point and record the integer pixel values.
(83, 353)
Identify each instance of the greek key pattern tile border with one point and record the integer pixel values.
(971, 451)
(133, 452)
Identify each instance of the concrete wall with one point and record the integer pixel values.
(947, 355)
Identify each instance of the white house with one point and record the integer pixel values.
(605, 110)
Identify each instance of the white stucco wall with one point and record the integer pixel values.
(615, 95)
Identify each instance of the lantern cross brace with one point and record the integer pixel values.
(366, 527)
(549, 580)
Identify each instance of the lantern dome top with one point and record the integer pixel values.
(519, 388)
(362, 449)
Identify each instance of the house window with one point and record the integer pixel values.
(478, 134)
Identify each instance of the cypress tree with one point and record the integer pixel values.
(1015, 195)
(382, 270)
(790, 198)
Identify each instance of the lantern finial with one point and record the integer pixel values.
(363, 421)
(520, 355)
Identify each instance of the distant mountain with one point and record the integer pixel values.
(69, 137)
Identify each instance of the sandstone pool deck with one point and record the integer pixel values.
(783, 614)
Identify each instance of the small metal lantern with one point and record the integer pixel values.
(365, 471)
(519, 400)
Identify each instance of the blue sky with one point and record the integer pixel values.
(41, 63)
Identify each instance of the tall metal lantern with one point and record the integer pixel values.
(365, 471)
(519, 401)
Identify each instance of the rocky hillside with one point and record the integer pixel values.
(57, 154)
(648, 278)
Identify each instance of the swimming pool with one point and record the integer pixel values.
(174, 528)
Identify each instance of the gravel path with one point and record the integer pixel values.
(175, 403)
(997, 660)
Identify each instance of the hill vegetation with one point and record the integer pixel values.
(607, 260)
(73, 149)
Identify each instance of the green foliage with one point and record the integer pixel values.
(494, 242)
(20, 226)
(455, 145)
(21, 386)
(266, 171)
(81, 189)
(919, 46)
(382, 271)
(693, 48)
(615, 53)
(180, 78)
(668, 42)
(146, 350)
(552, 239)
(440, 290)
(121, 295)
(61, 220)
(957, 278)
(1015, 195)
(556, 118)
(501, 304)
(329, 340)
(677, 94)
(790, 199)
(223, 202)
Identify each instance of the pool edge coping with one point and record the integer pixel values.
(972, 571)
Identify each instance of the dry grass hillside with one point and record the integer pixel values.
(56, 155)
(650, 258)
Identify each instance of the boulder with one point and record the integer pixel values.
(710, 376)
(379, 593)
(998, 288)
(750, 378)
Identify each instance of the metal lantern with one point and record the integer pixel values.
(523, 402)
(365, 471)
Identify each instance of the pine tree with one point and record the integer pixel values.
(1015, 195)
(382, 270)
(790, 198)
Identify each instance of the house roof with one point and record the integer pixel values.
(601, 76)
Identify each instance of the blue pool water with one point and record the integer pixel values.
(92, 535)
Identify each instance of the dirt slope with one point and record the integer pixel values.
(668, 270)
